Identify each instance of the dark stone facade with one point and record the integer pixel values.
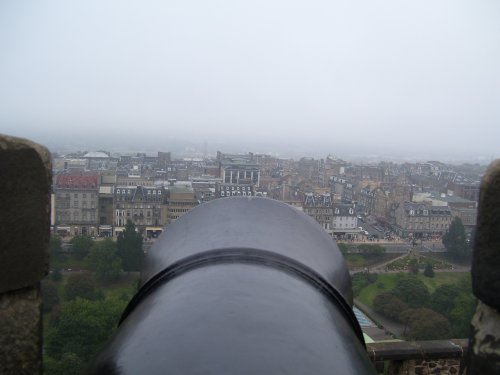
(25, 172)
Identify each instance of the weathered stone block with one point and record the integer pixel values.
(485, 342)
(25, 171)
(486, 257)
(25, 180)
(20, 332)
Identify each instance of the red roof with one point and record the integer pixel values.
(69, 181)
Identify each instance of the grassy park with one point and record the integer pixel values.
(386, 282)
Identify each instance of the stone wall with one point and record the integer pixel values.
(485, 335)
(418, 357)
(25, 179)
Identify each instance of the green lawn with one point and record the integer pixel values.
(383, 283)
(386, 282)
(354, 260)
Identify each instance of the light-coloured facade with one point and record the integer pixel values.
(76, 204)
(139, 204)
(344, 220)
(420, 220)
(181, 199)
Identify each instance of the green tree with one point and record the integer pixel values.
(129, 245)
(81, 246)
(50, 295)
(103, 260)
(443, 299)
(425, 324)
(56, 275)
(344, 248)
(70, 364)
(428, 271)
(413, 266)
(83, 327)
(389, 305)
(360, 280)
(412, 291)
(461, 314)
(455, 239)
(81, 285)
(55, 249)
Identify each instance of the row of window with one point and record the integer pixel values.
(128, 213)
(129, 206)
(234, 193)
(76, 195)
(346, 226)
(65, 217)
(435, 226)
(237, 188)
(129, 191)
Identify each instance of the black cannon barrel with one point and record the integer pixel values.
(240, 286)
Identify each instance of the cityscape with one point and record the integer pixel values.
(405, 231)
(96, 193)
(259, 187)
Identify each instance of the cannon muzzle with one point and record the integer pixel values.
(240, 286)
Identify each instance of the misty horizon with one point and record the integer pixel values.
(409, 81)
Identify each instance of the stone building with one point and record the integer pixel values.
(230, 190)
(344, 220)
(422, 221)
(236, 170)
(365, 201)
(181, 199)
(76, 204)
(319, 207)
(141, 205)
(342, 189)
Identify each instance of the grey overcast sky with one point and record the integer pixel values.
(408, 77)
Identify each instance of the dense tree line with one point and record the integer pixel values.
(455, 240)
(427, 316)
(79, 317)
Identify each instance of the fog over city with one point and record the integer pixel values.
(359, 79)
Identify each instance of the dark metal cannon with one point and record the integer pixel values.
(240, 286)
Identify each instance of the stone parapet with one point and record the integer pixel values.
(485, 334)
(418, 357)
(25, 180)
